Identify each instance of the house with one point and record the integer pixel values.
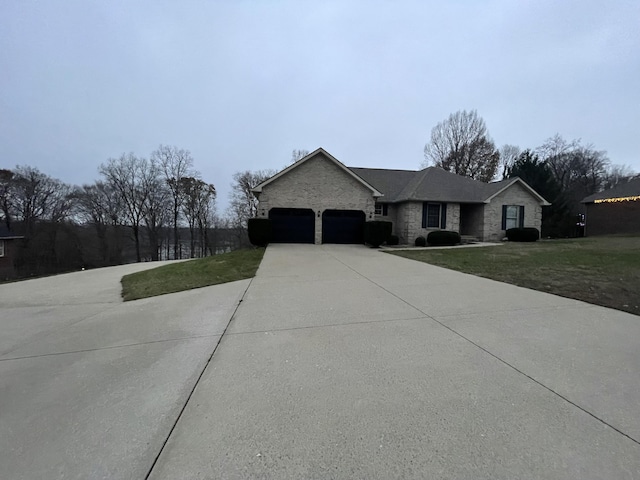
(320, 200)
(8, 252)
(616, 210)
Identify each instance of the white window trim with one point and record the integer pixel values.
(377, 209)
(512, 222)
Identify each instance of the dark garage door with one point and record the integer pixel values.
(292, 225)
(343, 226)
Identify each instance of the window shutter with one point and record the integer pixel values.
(521, 216)
(424, 215)
(504, 217)
(443, 216)
(385, 209)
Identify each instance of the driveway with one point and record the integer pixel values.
(339, 362)
(90, 387)
(346, 362)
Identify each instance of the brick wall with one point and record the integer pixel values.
(318, 184)
(514, 195)
(408, 224)
(607, 218)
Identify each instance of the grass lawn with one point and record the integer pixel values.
(227, 267)
(600, 270)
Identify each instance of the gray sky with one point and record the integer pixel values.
(242, 83)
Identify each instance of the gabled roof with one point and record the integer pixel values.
(435, 184)
(319, 151)
(622, 190)
(6, 234)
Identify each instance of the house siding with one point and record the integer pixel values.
(516, 194)
(408, 225)
(7, 269)
(608, 218)
(318, 184)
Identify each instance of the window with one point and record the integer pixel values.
(512, 216)
(434, 215)
(1, 248)
(381, 209)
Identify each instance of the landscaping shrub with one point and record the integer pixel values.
(527, 234)
(259, 231)
(421, 242)
(393, 240)
(443, 237)
(377, 232)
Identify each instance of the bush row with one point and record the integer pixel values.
(526, 234)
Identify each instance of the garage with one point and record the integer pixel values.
(292, 225)
(343, 226)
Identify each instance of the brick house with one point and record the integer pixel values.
(8, 252)
(616, 210)
(320, 200)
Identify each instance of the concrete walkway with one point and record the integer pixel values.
(346, 362)
(90, 387)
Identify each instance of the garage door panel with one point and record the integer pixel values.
(343, 226)
(292, 225)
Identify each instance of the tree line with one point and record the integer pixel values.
(563, 172)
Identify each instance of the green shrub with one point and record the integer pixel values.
(259, 231)
(443, 237)
(527, 234)
(393, 240)
(421, 242)
(377, 232)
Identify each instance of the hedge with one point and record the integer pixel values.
(421, 242)
(393, 240)
(377, 232)
(443, 237)
(527, 234)
(259, 231)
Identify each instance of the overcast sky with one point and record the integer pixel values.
(242, 83)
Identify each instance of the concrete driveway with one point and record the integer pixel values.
(340, 362)
(91, 387)
(346, 362)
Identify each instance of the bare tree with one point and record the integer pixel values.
(198, 209)
(298, 154)
(461, 144)
(508, 156)
(157, 211)
(175, 164)
(243, 203)
(617, 174)
(133, 178)
(6, 177)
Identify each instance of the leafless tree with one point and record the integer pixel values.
(617, 174)
(198, 209)
(243, 204)
(6, 177)
(298, 154)
(461, 144)
(508, 156)
(156, 212)
(133, 178)
(175, 163)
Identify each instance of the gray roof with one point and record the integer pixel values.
(430, 184)
(627, 189)
(5, 233)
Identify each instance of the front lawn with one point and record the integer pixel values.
(600, 270)
(176, 277)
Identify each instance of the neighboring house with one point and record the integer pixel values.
(320, 200)
(8, 252)
(614, 211)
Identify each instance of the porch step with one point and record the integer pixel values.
(467, 239)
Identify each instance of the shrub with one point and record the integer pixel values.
(259, 231)
(443, 237)
(377, 232)
(421, 242)
(393, 240)
(527, 234)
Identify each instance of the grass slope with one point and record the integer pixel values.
(600, 270)
(227, 267)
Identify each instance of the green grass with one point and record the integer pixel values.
(177, 277)
(600, 270)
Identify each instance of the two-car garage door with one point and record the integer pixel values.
(297, 225)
